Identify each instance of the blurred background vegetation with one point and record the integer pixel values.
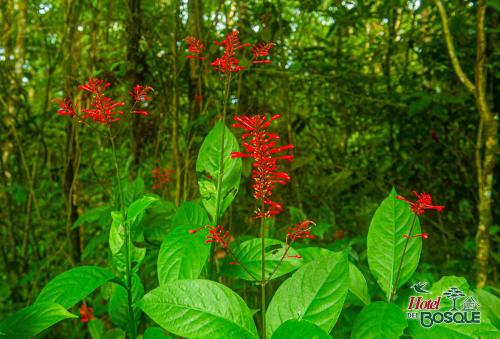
(367, 89)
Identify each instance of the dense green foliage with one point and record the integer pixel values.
(370, 100)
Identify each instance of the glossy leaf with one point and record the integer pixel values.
(299, 329)
(72, 286)
(118, 247)
(33, 319)
(208, 166)
(385, 243)
(155, 333)
(316, 293)
(199, 308)
(139, 206)
(182, 255)
(379, 320)
(249, 254)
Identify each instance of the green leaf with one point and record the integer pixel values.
(208, 166)
(385, 243)
(312, 253)
(100, 214)
(72, 286)
(182, 255)
(199, 308)
(379, 320)
(138, 207)
(357, 284)
(485, 329)
(117, 245)
(118, 303)
(490, 306)
(96, 329)
(316, 292)
(249, 254)
(299, 329)
(154, 333)
(33, 319)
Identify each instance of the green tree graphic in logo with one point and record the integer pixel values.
(453, 294)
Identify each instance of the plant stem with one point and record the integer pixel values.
(287, 248)
(231, 253)
(263, 277)
(221, 172)
(395, 287)
(128, 241)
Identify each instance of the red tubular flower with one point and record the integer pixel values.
(261, 146)
(103, 108)
(65, 107)
(215, 234)
(424, 202)
(228, 63)
(261, 50)
(140, 93)
(161, 177)
(86, 313)
(195, 47)
(302, 230)
(423, 236)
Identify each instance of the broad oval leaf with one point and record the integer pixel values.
(33, 319)
(385, 243)
(249, 254)
(182, 255)
(299, 329)
(316, 293)
(379, 320)
(208, 166)
(70, 287)
(200, 309)
(139, 206)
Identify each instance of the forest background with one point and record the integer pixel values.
(373, 94)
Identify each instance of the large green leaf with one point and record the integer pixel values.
(357, 281)
(385, 243)
(118, 303)
(208, 166)
(490, 306)
(154, 333)
(249, 254)
(138, 207)
(183, 255)
(316, 293)
(33, 319)
(199, 309)
(485, 329)
(379, 320)
(70, 287)
(299, 329)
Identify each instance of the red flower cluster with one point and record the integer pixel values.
(424, 202)
(102, 108)
(86, 312)
(161, 177)
(228, 63)
(261, 146)
(216, 235)
(302, 230)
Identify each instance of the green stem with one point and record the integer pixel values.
(395, 287)
(128, 242)
(221, 172)
(263, 275)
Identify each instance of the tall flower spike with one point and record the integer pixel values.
(140, 93)
(228, 63)
(161, 177)
(104, 109)
(65, 107)
(424, 202)
(260, 145)
(261, 50)
(196, 47)
(218, 235)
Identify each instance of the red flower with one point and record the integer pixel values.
(140, 93)
(301, 231)
(228, 63)
(216, 234)
(65, 107)
(424, 202)
(195, 47)
(423, 236)
(86, 313)
(261, 146)
(103, 108)
(161, 177)
(261, 50)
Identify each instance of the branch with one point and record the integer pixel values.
(451, 49)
